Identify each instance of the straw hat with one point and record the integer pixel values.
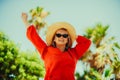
(58, 25)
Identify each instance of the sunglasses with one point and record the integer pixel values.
(63, 35)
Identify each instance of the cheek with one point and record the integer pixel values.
(66, 40)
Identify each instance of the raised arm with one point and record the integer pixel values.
(33, 36)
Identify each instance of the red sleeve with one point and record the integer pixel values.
(35, 39)
(82, 46)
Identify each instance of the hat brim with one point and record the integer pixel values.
(58, 25)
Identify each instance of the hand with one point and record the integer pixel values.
(24, 18)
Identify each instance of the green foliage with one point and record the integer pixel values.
(29, 66)
(107, 72)
(17, 65)
(105, 53)
(38, 16)
(92, 74)
(97, 33)
(117, 45)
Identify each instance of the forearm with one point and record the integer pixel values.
(82, 46)
(37, 41)
(81, 39)
(26, 24)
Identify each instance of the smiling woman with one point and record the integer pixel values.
(61, 40)
(59, 57)
(81, 13)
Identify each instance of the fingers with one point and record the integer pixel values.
(24, 16)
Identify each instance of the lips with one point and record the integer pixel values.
(61, 40)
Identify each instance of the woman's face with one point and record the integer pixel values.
(61, 37)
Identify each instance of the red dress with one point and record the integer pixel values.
(58, 65)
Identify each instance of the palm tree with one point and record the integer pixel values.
(104, 54)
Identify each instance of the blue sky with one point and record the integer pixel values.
(80, 13)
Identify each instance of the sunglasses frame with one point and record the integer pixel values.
(63, 35)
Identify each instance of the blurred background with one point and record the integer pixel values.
(98, 20)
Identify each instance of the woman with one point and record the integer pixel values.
(58, 55)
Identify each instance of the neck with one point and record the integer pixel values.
(62, 47)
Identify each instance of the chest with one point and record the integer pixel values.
(54, 57)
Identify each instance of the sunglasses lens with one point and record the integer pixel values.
(58, 35)
(64, 35)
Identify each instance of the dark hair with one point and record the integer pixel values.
(69, 43)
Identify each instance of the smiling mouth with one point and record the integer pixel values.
(61, 40)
